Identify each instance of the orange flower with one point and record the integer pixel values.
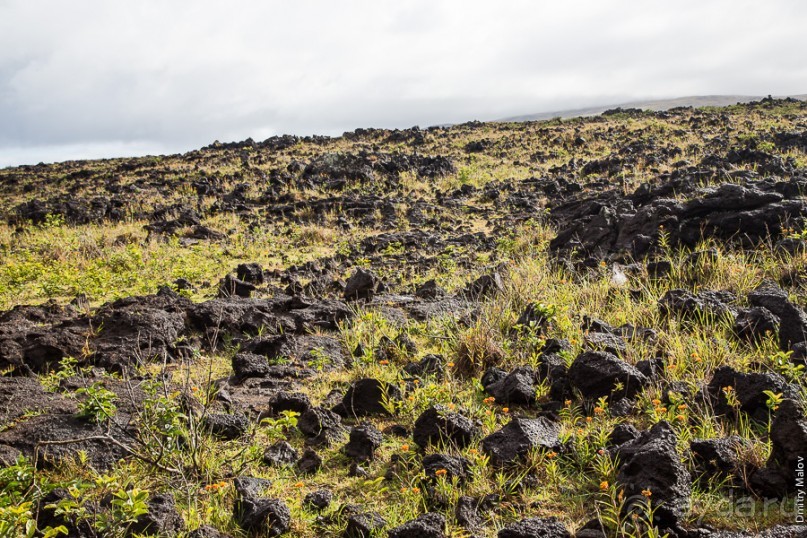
(728, 389)
(405, 448)
(489, 400)
(473, 451)
(450, 364)
(415, 490)
(656, 402)
(604, 485)
(505, 409)
(589, 419)
(647, 493)
(299, 485)
(383, 362)
(599, 410)
(567, 403)
(551, 455)
(680, 418)
(440, 472)
(416, 381)
(682, 407)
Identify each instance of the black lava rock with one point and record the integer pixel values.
(518, 437)
(364, 440)
(318, 500)
(430, 525)
(598, 373)
(224, 426)
(366, 397)
(535, 527)
(439, 425)
(651, 463)
(309, 463)
(280, 454)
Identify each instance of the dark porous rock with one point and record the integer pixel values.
(8, 455)
(362, 284)
(792, 319)
(206, 531)
(318, 500)
(429, 290)
(224, 426)
(366, 397)
(162, 518)
(611, 343)
(250, 272)
(246, 365)
(483, 286)
(686, 305)
(651, 463)
(428, 365)
(755, 323)
(659, 269)
(535, 527)
(454, 467)
(256, 514)
(491, 376)
(651, 368)
(622, 433)
(396, 430)
(437, 425)
(748, 388)
(357, 471)
(594, 528)
(280, 454)
(598, 373)
(309, 463)
(365, 525)
(716, 457)
(519, 436)
(623, 407)
(429, 525)
(269, 346)
(231, 286)
(364, 441)
(517, 387)
(289, 401)
(770, 483)
(466, 514)
(321, 426)
(789, 440)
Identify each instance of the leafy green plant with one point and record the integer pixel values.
(278, 428)
(99, 404)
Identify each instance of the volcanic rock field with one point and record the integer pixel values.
(586, 327)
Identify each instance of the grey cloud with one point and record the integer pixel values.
(95, 77)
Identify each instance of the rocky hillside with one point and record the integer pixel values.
(589, 327)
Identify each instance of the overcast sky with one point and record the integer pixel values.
(103, 78)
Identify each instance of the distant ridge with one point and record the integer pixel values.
(656, 104)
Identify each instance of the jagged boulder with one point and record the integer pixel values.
(439, 425)
(599, 373)
(365, 439)
(535, 527)
(519, 436)
(651, 469)
(430, 525)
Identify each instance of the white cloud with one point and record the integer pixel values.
(78, 79)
